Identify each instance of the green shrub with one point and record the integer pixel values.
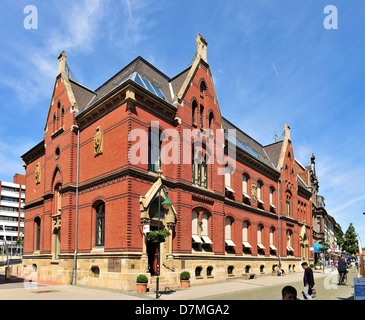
(185, 275)
(142, 279)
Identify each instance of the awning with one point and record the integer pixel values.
(289, 249)
(261, 246)
(317, 246)
(246, 244)
(259, 200)
(272, 247)
(271, 205)
(348, 257)
(246, 195)
(230, 243)
(207, 240)
(196, 239)
(229, 189)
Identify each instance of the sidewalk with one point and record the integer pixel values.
(231, 286)
(16, 289)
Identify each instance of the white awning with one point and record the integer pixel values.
(230, 189)
(271, 205)
(259, 200)
(261, 246)
(230, 243)
(289, 249)
(196, 239)
(246, 244)
(207, 240)
(246, 195)
(272, 247)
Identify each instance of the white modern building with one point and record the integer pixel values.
(12, 216)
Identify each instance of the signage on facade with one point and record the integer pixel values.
(146, 228)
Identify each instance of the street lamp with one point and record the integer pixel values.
(166, 204)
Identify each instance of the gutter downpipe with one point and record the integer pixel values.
(279, 236)
(77, 205)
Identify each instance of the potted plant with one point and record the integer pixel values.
(142, 281)
(185, 279)
(311, 266)
(158, 236)
(318, 265)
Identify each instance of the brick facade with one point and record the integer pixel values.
(203, 205)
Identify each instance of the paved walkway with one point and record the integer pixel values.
(17, 289)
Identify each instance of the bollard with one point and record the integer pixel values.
(7, 273)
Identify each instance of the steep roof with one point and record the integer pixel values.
(248, 144)
(145, 70)
(273, 151)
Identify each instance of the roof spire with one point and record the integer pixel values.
(62, 58)
(201, 47)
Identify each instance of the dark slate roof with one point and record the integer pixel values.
(82, 94)
(273, 151)
(138, 65)
(169, 87)
(249, 145)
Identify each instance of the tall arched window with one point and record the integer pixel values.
(194, 107)
(100, 224)
(154, 149)
(211, 118)
(245, 242)
(37, 223)
(201, 116)
(228, 234)
(260, 246)
(272, 235)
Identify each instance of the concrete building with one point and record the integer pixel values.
(111, 155)
(12, 215)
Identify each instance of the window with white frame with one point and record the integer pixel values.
(228, 233)
(245, 242)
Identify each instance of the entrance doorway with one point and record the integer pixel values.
(152, 248)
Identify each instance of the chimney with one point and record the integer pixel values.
(62, 62)
(201, 47)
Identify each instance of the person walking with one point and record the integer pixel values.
(308, 280)
(342, 269)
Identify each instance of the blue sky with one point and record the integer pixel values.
(273, 62)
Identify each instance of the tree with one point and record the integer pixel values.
(350, 243)
(340, 240)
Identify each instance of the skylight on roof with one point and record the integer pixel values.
(246, 148)
(148, 85)
(143, 82)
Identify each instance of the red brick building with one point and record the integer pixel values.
(95, 181)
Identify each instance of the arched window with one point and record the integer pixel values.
(100, 224)
(37, 223)
(245, 240)
(259, 194)
(289, 248)
(62, 116)
(260, 246)
(54, 122)
(211, 117)
(154, 149)
(203, 87)
(57, 200)
(228, 234)
(272, 239)
(288, 204)
(271, 198)
(201, 116)
(194, 107)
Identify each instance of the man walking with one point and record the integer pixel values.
(308, 280)
(342, 269)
